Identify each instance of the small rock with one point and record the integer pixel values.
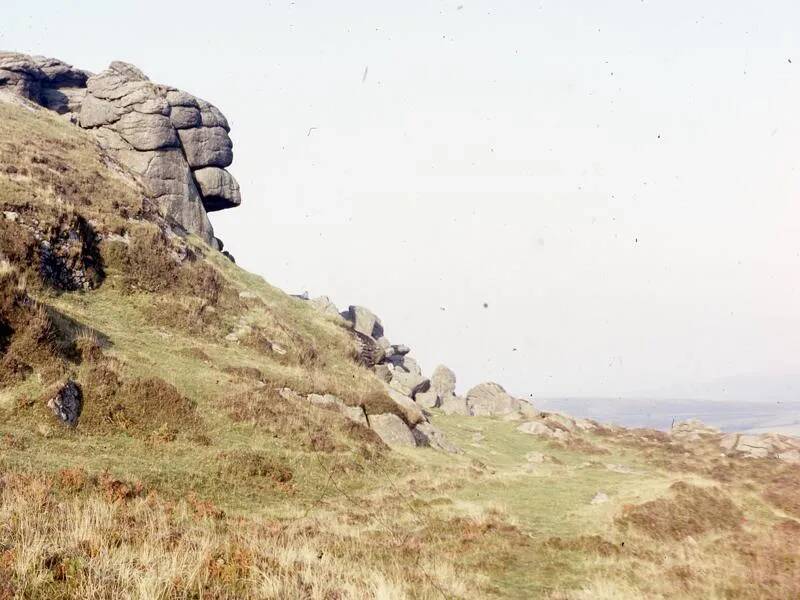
(537, 457)
(599, 498)
(67, 404)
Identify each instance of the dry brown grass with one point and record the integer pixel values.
(28, 337)
(691, 511)
(142, 408)
(78, 536)
(784, 492)
(302, 424)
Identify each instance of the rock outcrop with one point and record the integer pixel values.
(491, 400)
(176, 143)
(766, 445)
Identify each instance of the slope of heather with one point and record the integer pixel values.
(199, 468)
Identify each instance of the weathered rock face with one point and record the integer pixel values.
(178, 144)
(443, 381)
(765, 445)
(392, 430)
(490, 399)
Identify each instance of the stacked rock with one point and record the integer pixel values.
(178, 144)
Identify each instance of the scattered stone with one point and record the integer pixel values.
(392, 430)
(537, 458)
(623, 469)
(67, 403)
(541, 429)
(692, 430)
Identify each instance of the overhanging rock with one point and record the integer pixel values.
(178, 144)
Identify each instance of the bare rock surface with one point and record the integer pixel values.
(490, 399)
(176, 143)
(443, 381)
(392, 430)
(765, 445)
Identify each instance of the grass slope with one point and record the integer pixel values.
(189, 476)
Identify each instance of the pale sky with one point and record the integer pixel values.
(617, 180)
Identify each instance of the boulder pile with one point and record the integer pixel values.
(414, 393)
(176, 143)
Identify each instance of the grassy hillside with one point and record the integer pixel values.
(190, 475)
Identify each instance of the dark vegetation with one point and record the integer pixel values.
(691, 511)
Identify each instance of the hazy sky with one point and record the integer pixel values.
(617, 180)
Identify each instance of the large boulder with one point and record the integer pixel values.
(443, 381)
(411, 411)
(364, 321)
(176, 143)
(218, 188)
(539, 428)
(490, 399)
(392, 430)
(409, 384)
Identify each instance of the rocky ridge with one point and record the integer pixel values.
(176, 143)
(413, 391)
